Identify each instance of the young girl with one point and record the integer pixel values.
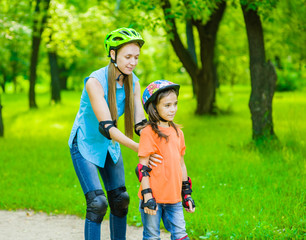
(163, 186)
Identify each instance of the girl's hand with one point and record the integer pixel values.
(147, 210)
(154, 159)
(150, 211)
(190, 209)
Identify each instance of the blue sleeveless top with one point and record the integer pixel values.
(91, 143)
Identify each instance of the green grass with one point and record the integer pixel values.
(241, 191)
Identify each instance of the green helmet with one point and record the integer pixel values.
(121, 36)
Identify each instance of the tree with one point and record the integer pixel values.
(263, 76)
(204, 77)
(14, 36)
(73, 35)
(40, 18)
(205, 17)
(56, 36)
(1, 120)
(55, 77)
(285, 45)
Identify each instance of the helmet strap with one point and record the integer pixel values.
(116, 65)
(117, 79)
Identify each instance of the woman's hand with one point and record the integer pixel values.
(154, 159)
(135, 147)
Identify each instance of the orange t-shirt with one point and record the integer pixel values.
(166, 177)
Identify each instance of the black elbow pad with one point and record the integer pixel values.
(138, 125)
(105, 130)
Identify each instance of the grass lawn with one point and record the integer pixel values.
(241, 191)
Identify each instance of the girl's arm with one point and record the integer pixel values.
(191, 209)
(101, 110)
(184, 169)
(145, 184)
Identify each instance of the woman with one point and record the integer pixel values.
(94, 141)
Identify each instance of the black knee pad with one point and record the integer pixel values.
(118, 200)
(96, 205)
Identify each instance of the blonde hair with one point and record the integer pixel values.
(129, 99)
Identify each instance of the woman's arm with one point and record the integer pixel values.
(138, 109)
(101, 110)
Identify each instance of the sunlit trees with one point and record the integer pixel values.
(203, 75)
(197, 42)
(14, 36)
(202, 17)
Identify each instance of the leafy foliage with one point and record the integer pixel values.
(15, 33)
(77, 30)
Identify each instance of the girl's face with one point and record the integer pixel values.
(167, 106)
(127, 57)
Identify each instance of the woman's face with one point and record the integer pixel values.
(127, 57)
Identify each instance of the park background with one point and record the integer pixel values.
(246, 185)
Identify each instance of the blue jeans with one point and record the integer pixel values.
(173, 219)
(113, 177)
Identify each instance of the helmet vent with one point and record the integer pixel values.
(125, 32)
(134, 32)
(118, 39)
(108, 37)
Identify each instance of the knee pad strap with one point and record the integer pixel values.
(118, 201)
(96, 205)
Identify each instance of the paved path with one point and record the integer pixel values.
(27, 225)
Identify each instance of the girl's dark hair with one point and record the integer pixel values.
(154, 117)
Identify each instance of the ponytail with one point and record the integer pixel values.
(129, 99)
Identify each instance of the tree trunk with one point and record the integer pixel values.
(202, 79)
(182, 53)
(1, 120)
(190, 40)
(263, 78)
(192, 51)
(63, 79)
(55, 79)
(33, 65)
(3, 86)
(207, 77)
(63, 75)
(4, 80)
(38, 27)
(14, 67)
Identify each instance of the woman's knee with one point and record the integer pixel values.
(96, 205)
(118, 201)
